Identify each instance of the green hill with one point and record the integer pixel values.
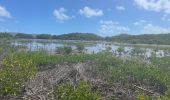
(142, 39)
(79, 36)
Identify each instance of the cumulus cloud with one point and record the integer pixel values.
(110, 28)
(145, 27)
(154, 5)
(89, 12)
(140, 22)
(4, 13)
(165, 17)
(60, 14)
(121, 8)
(153, 29)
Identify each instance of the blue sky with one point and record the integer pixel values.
(105, 18)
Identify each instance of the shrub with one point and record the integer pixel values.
(80, 92)
(64, 50)
(120, 50)
(15, 71)
(80, 47)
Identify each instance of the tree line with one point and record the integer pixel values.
(70, 36)
(122, 38)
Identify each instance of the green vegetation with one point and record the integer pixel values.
(113, 69)
(64, 50)
(43, 36)
(142, 39)
(80, 47)
(138, 51)
(81, 92)
(122, 38)
(5, 35)
(79, 36)
(24, 36)
(120, 50)
(151, 74)
(16, 70)
(70, 36)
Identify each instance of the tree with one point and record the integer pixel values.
(5, 35)
(43, 36)
(64, 50)
(120, 50)
(24, 36)
(80, 47)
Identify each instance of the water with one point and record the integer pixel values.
(90, 47)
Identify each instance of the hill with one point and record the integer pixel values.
(141, 39)
(79, 36)
(122, 38)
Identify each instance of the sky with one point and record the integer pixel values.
(102, 17)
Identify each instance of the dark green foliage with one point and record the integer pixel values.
(43, 36)
(120, 50)
(64, 50)
(137, 51)
(5, 35)
(142, 39)
(123, 38)
(79, 36)
(80, 47)
(24, 36)
(81, 92)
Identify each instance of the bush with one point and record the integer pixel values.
(15, 71)
(120, 50)
(64, 50)
(80, 47)
(81, 92)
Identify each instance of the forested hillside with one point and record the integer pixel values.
(122, 38)
(142, 39)
(79, 36)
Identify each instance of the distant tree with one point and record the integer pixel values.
(80, 47)
(43, 36)
(24, 36)
(5, 35)
(64, 50)
(120, 50)
(108, 48)
(141, 39)
(79, 36)
(54, 36)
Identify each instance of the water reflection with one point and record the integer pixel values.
(91, 47)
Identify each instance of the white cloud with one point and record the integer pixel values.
(146, 27)
(60, 14)
(121, 8)
(110, 28)
(152, 29)
(140, 22)
(89, 12)
(165, 17)
(154, 5)
(4, 13)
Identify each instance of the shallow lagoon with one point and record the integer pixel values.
(51, 46)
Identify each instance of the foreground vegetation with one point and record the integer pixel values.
(19, 67)
(133, 78)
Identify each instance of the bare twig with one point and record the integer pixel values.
(143, 89)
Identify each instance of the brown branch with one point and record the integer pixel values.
(141, 88)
